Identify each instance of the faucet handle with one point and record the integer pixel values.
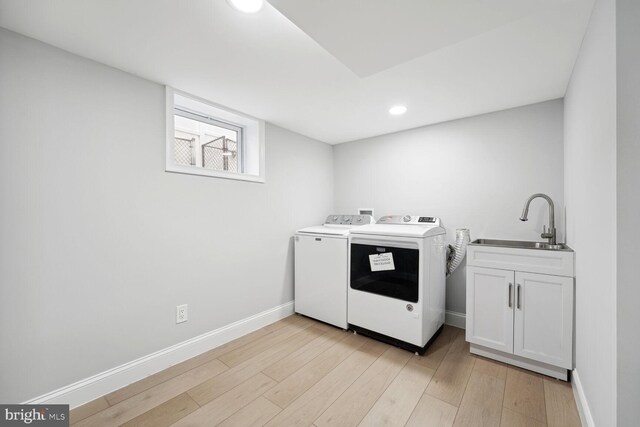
(547, 234)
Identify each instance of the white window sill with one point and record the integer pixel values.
(214, 174)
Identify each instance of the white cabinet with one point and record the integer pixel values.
(543, 324)
(490, 305)
(520, 317)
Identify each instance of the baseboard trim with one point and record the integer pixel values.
(581, 400)
(453, 318)
(522, 362)
(98, 385)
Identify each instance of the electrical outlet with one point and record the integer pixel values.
(181, 313)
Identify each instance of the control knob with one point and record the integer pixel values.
(346, 218)
(406, 218)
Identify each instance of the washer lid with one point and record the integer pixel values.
(400, 230)
(328, 230)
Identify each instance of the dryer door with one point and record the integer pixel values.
(385, 270)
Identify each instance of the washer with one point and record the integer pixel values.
(397, 280)
(321, 268)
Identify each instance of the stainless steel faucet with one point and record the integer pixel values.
(551, 234)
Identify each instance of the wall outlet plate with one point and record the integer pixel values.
(181, 313)
(366, 211)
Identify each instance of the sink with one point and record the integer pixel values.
(523, 256)
(521, 244)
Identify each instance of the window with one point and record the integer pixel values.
(209, 140)
(206, 143)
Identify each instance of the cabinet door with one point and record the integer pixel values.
(490, 297)
(544, 318)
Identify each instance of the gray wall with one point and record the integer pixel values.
(474, 173)
(590, 195)
(628, 200)
(98, 244)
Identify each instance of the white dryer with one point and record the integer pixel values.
(397, 280)
(321, 268)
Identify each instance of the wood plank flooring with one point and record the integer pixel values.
(299, 372)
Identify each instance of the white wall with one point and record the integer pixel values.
(474, 173)
(590, 196)
(98, 244)
(628, 201)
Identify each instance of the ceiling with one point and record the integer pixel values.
(328, 69)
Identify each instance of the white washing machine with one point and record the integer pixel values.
(321, 268)
(397, 280)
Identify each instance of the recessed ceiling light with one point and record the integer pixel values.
(246, 6)
(397, 110)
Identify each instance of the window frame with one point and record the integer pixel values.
(250, 137)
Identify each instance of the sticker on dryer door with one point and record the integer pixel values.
(381, 262)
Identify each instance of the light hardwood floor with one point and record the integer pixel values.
(299, 372)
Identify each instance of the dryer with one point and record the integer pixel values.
(397, 275)
(321, 268)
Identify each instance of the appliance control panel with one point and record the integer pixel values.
(345, 219)
(410, 220)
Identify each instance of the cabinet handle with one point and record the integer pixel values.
(510, 291)
(518, 297)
